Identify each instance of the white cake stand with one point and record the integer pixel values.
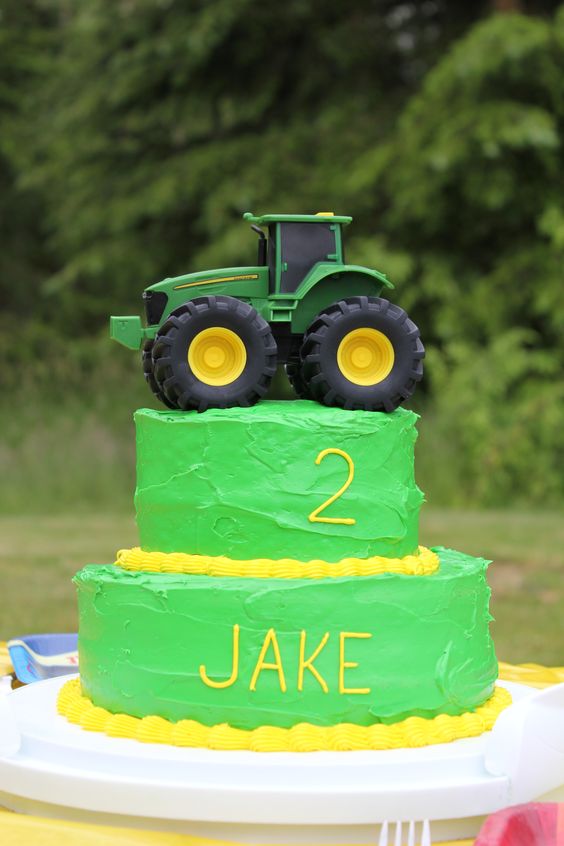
(53, 768)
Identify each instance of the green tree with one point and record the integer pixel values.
(24, 258)
(159, 123)
(135, 133)
(473, 214)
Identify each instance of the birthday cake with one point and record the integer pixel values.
(279, 598)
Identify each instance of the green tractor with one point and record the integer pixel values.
(213, 339)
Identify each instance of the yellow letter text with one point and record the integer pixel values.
(308, 664)
(234, 663)
(263, 665)
(314, 516)
(343, 665)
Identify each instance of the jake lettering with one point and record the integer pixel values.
(308, 651)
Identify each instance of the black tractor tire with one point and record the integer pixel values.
(172, 372)
(320, 367)
(293, 369)
(147, 361)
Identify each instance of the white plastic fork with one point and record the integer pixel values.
(386, 833)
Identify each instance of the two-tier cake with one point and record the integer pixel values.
(279, 598)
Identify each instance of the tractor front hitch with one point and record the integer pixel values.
(129, 332)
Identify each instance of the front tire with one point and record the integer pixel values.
(214, 352)
(148, 372)
(362, 353)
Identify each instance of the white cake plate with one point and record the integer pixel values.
(53, 768)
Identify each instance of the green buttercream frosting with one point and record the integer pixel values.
(144, 636)
(243, 482)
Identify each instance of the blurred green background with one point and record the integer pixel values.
(135, 134)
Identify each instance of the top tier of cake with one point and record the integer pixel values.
(278, 480)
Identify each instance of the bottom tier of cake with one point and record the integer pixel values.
(255, 652)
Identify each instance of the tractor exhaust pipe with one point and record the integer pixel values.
(261, 260)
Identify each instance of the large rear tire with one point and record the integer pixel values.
(214, 352)
(293, 368)
(362, 353)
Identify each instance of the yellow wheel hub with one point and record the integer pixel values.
(217, 356)
(365, 356)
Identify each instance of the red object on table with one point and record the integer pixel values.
(533, 824)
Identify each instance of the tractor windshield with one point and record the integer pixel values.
(303, 245)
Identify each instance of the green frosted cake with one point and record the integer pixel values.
(243, 482)
(279, 598)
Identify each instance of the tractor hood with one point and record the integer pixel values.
(219, 276)
(250, 282)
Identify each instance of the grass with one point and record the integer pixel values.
(527, 575)
(38, 558)
(39, 555)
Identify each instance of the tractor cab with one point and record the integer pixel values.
(295, 244)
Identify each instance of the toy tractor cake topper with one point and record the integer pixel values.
(213, 339)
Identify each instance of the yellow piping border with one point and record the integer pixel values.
(424, 563)
(219, 279)
(303, 737)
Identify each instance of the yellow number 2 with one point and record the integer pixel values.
(314, 516)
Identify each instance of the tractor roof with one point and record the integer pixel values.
(320, 217)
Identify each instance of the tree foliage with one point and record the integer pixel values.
(136, 133)
(473, 202)
(24, 259)
(157, 123)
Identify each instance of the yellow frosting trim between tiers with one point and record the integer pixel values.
(423, 563)
(303, 737)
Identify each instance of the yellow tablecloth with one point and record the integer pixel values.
(17, 830)
(534, 675)
(5, 665)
